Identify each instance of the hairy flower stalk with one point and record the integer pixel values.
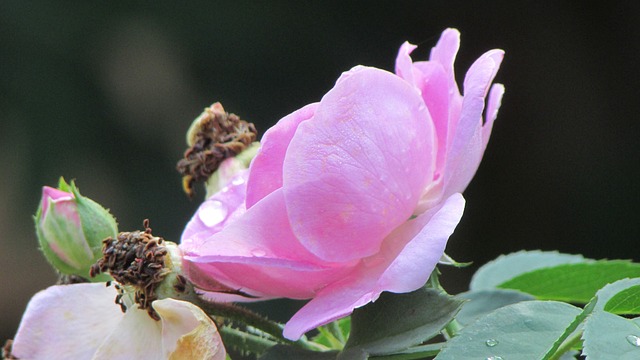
(213, 137)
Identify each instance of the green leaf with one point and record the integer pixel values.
(333, 335)
(397, 321)
(526, 330)
(608, 292)
(448, 260)
(287, 352)
(625, 302)
(576, 283)
(506, 267)
(611, 337)
(485, 301)
(606, 335)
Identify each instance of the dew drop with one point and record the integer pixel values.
(212, 213)
(237, 181)
(633, 340)
(258, 252)
(495, 358)
(491, 342)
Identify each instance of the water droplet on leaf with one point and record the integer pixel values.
(491, 342)
(633, 340)
(212, 213)
(494, 358)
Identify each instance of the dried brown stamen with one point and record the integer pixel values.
(218, 136)
(135, 259)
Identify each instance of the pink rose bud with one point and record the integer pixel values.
(70, 229)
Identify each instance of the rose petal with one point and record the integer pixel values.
(356, 162)
(136, 336)
(67, 322)
(432, 81)
(493, 104)
(397, 268)
(430, 78)
(217, 211)
(262, 244)
(429, 232)
(466, 148)
(404, 64)
(53, 194)
(337, 300)
(445, 53)
(266, 167)
(187, 332)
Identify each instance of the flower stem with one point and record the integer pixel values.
(243, 341)
(250, 318)
(452, 328)
(244, 315)
(414, 353)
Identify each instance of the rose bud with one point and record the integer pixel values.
(70, 229)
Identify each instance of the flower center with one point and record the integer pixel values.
(136, 261)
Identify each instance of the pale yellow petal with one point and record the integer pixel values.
(187, 332)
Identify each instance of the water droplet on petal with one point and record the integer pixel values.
(237, 181)
(491, 342)
(633, 340)
(258, 252)
(212, 213)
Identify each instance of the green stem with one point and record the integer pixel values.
(243, 341)
(452, 328)
(250, 318)
(567, 345)
(244, 315)
(418, 352)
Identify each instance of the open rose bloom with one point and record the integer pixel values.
(81, 321)
(354, 195)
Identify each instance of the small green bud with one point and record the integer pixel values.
(71, 228)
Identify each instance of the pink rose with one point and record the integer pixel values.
(351, 196)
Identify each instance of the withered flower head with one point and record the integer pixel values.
(213, 137)
(139, 263)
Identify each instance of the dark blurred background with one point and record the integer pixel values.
(103, 93)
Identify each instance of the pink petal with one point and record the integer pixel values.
(404, 64)
(217, 211)
(466, 148)
(67, 322)
(53, 194)
(430, 78)
(266, 167)
(356, 170)
(493, 104)
(429, 232)
(262, 244)
(336, 301)
(398, 268)
(445, 53)
(432, 81)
